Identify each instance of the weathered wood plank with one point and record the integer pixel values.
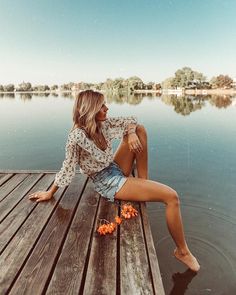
(17, 194)
(69, 270)
(151, 252)
(135, 272)
(16, 218)
(102, 268)
(20, 245)
(33, 277)
(5, 177)
(10, 185)
(32, 171)
(53, 247)
(150, 248)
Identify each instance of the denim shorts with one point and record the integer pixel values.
(108, 181)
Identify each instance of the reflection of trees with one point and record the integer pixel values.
(135, 99)
(221, 101)
(67, 95)
(8, 95)
(25, 96)
(42, 94)
(119, 98)
(190, 103)
(54, 94)
(183, 104)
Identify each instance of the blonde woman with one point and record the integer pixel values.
(89, 146)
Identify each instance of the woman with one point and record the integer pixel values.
(89, 145)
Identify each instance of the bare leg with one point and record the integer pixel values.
(137, 189)
(142, 157)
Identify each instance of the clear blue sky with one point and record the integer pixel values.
(53, 41)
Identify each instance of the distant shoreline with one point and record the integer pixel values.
(221, 91)
(230, 91)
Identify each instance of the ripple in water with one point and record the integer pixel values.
(211, 238)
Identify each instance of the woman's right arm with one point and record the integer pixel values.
(64, 176)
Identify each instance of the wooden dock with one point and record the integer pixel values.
(53, 247)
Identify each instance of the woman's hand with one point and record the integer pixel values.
(134, 143)
(41, 196)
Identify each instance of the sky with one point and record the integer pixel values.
(55, 42)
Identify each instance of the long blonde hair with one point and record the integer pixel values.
(87, 104)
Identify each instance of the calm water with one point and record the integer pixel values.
(191, 145)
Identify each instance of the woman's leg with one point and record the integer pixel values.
(125, 158)
(136, 189)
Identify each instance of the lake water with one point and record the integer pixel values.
(192, 148)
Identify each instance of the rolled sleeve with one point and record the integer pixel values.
(119, 125)
(67, 172)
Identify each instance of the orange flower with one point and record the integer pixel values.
(118, 220)
(106, 228)
(128, 211)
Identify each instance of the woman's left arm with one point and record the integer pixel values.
(120, 126)
(133, 140)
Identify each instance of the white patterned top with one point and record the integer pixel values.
(83, 151)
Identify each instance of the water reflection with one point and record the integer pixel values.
(221, 101)
(181, 282)
(41, 94)
(7, 95)
(25, 96)
(183, 105)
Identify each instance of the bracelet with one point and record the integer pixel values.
(131, 131)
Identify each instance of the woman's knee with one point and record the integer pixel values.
(173, 198)
(140, 129)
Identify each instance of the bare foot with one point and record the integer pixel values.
(188, 259)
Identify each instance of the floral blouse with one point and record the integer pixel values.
(83, 151)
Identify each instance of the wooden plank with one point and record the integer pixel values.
(53, 247)
(5, 177)
(17, 194)
(102, 268)
(135, 276)
(45, 253)
(16, 218)
(13, 258)
(152, 257)
(69, 271)
(31, 171)
(8, 186)
(151, 252)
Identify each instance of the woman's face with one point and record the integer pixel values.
(102, 114)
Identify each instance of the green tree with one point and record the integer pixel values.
(54, 87)
(134, 83)
(67, 86)
(168, 83)
(157, 86)
(185, 78)
(223, 81)
(213, 82)
(9, 88)
(41, 88)
(24, 87)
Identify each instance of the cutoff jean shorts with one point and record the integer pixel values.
(108, 181)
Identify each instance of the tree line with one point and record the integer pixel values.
(183, 78)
